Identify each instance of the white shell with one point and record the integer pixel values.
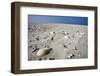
(66, 37)
(51, 33)
(42, 52)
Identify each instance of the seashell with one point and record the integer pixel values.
(43, 52)
(37, 39)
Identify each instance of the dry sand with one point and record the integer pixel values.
(66, 40)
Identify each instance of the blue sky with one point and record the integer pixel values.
(57, 19)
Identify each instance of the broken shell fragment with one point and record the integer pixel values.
(71, 56)
(74, 48)
(66, 37)
(43, 52)
(52, 33)
(35, 49)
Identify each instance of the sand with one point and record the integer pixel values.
(68, 41)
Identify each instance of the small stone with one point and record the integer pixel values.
(52, 33)
(52, 38)
(74, 48)
(71, 56)
(51, 58)
(77, 31)
(67, 33)
(35, 49)
(40, 58)
(65, 46)
(37, 39)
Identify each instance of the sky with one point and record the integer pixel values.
(57, 19)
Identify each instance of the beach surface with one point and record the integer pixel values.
(66, 41)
